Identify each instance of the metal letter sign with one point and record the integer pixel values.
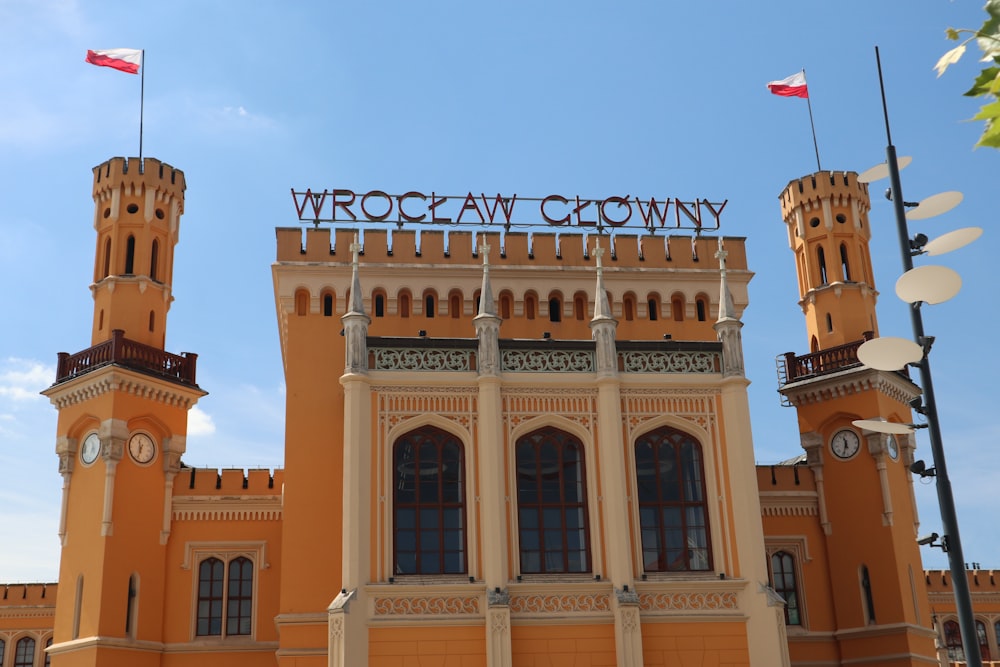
(615, 212)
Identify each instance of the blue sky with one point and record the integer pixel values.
(251, 99)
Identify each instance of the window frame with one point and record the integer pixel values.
(443, 438)
(683, 504)
(584, 532)
(198, 552)
(793, 573)
(19, 659)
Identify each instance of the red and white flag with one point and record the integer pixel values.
(793, 86)
(126, 60)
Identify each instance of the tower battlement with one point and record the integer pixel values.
(840, 187)
(435, 246)
(19, 595)
(228, 482)
(135, 177)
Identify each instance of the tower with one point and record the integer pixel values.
(875, 600)
(122, 425)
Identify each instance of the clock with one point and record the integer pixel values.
(892, 447)
(91, 449)
(845, 444)
(141, 448)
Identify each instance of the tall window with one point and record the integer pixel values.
(154, 256)
(653, 305)
(429, 305)
(844, 266)
(677, 308)
(580, 306)
(552, 503)
(783, 579)
(628, 307)
(133, 592)
(327, 305)
(530, 306)
(673, 514)
(3, 650)
(555, 309)
(455, 305)
(866, 593)
(506, 305)
(701, 307)
(821, 256)
(225, 597)
(984, 643)
(24, 655)
(48, 657)
(107, 258)
(429, 503)
(953, 642)
(129, 255)
(403, 303)
(379, 305)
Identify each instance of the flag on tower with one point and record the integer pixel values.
(125, 60)
(793, 86)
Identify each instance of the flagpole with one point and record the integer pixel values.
(142, 99)
(812, 125)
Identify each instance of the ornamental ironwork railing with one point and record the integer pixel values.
(826, 361)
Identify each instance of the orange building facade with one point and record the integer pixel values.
(500, 450)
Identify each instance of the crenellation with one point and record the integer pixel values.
(318, 248)
(432, 245)
(229, 481)
(135, 176)
(809, 191)
(783, 477)
(28, 594)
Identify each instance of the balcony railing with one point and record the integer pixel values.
(825, 361)
(130, 354)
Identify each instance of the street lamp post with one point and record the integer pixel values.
(951, 541)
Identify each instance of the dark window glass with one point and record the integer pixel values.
(673, 514)
(379, 305)
(702, 310)
(844, 266)
(129, 255)
(654, 310)
(783, 577)
(552, 503)
(48, 658)
(984, 643)
(429, 503)
(24, 655)
(211, 581)
(555, 310)
(239, 601)
(327, 305)
(866, 591)
(3, 650)
(154, 256)
(953, 642)
(821, 256)
(429, 305)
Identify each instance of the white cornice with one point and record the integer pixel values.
(847, 382)
(114, 378)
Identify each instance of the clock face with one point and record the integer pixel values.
(91, 449)
(892, 447)
(141, 448)
(845, 444)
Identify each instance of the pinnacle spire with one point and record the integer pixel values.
(357, 302)
(486, 305)
(602, 310)
(727, 311)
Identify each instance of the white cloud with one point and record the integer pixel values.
(23, 379)
(200, 422)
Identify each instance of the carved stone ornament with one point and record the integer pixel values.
(547, 361)
(709, 601)
(436, 605)
(587, 602)
(635, 361)
(626, 597)
(499, 597)
(417, 359)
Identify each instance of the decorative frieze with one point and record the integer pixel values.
(547, 361)
(689, 601)
(426, 605)
(633, 361)
(421, 359)
(541, 603)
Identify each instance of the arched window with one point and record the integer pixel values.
(327, 305)
(301, 302)
(107, 258)
(77, 606)
(234, 585)
(506, 305)
(866, 596)
(48, 658)
(24, 655)
(783, 580)
(403, 303)
(829, 323)
(530, 306)
(653, 305)
(3, 650)
(154, 257)
(429, 305)
(677, 307)
(673, 514)
(701, 304)
(953, 642)
(821, 257)
(455, 305)
(555, 309)
(984, 643)
(152, 320)
(844, 266)
(477, 296)
(379, 304)
(130, 605)
(129, 255)
(428, 503)
(552, 503)
(580, 306)
(628, 307)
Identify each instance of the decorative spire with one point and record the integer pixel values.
(602, 310)
(728, 326)
(486, 305)
(727, 311)
(357, 302)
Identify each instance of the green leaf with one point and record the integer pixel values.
(990, 137)
(990, 112)
(950, 58)
(988, 82)
(989, 34)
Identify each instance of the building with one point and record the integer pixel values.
(500, 450)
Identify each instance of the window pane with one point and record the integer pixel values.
(429, 497)
(673, 515)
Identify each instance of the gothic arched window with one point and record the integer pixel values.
(783, 580)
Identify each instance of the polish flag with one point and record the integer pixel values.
(793, 86)
(126, 60)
